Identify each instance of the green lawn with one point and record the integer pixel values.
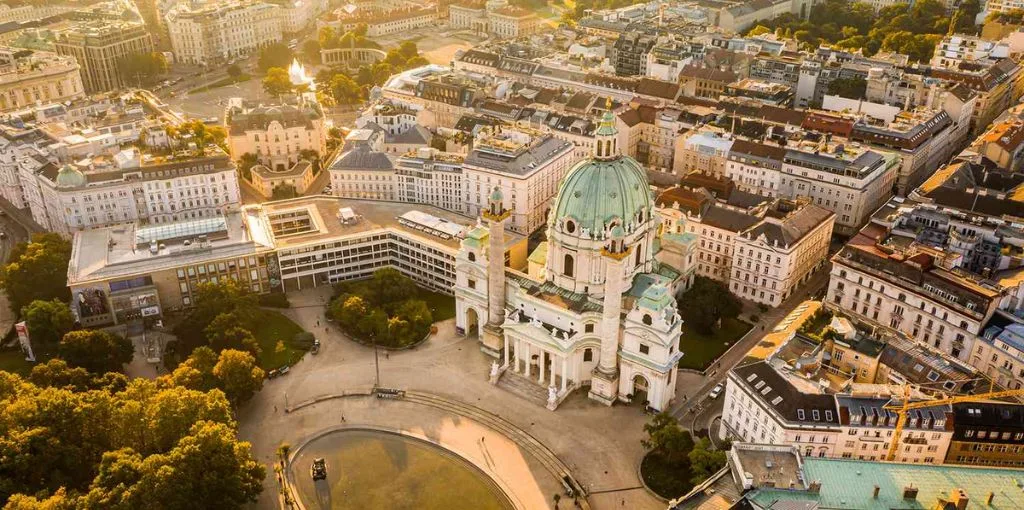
(700, 350)
(14, 361)
(667, 480)
(272, 327)
(442, 306)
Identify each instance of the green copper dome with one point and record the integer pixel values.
(595, 192)
(70, 177)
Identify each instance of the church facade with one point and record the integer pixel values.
(599, 314)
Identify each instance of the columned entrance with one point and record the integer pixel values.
(640, 388)
(472, 323)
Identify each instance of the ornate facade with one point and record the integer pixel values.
(602, 314)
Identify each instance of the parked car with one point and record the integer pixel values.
(3, 235)
(319, 469)
(316, 346)
(716, 391)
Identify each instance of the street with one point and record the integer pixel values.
(717, 372)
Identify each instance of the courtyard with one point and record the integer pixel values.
(451, 404)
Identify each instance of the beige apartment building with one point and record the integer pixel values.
(99, 47)
(222, 32)
(39, 77)
(276, 133)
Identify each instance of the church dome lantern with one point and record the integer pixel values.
(70, 177)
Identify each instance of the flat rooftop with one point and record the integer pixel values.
(301, 221)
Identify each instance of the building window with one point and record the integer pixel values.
(588, 354)
(645, 349)
(567, 266)
(588, 328)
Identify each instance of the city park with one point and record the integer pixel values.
(397, 405)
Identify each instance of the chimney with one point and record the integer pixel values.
(814, 487)
(959, 498)
(875, 494)
(910, 492)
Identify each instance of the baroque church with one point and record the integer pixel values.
(600, 316)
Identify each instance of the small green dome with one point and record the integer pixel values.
(70, 177)
(496, 195)
(595, 192)
(618, 232)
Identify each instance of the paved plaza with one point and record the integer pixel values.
(600, 445)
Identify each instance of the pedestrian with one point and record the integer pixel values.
(387, 355)
(275, 409)
(318, 323)
(343, 418)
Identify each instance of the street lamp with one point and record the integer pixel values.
(376, 361)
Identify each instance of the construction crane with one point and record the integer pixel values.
(902, 410)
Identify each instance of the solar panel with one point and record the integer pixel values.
(180, 230)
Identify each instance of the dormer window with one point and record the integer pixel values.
(647, 319)
(570, 226)
(472, 257)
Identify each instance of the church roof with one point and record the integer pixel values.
(597, 191)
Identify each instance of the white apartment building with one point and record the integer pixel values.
(717, 226)
(298, 14)
(429, 176)
(999, 351)
(913, 291)
(957, 48)
(130, 187)
(768, 406)
(496, 19)
(868, 427)
(39, 77)
(30, 12)
(526, 165)
(364, 173)
(393, 21)
(17, 158)
(848, 180)
(771, 259)
(755, 167)
(275, 133)
(224, 31)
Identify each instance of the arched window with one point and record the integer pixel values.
(588, 354)
(472, 257)
(570, 226)
(638, 255)
(647, 319)
(567, 265)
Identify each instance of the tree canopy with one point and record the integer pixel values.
(277, 82)
(227, 303)
(96, 351)
(913, 29)
(37, 270)
(47, 321)
(706, 304)
(143, 68)
(382, 309)
(274, 55)
(136, 444)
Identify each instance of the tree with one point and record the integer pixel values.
(313, 157)
(360, 30)
(238, 376)
(311, 51)
(37, 270)
(234, 71)
(140, 68)
(96, 351)
(395, 58)
(408, 49)
(196, 372)
(344, 90)
(47, 321)
(228, 331)
(327, 38)
(283, 191)
(274, 55)
(56, 373)
(666, 436)
(706, 304)
(226, 296)
(390, 287)
(416, 61)
(245, 164)
(850, 88)
(381, 72)
(277, 82)
(759, 30)
(704, 461)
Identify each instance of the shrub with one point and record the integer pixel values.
(275, 300)
(303, 340)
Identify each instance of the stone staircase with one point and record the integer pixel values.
(523, 387)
